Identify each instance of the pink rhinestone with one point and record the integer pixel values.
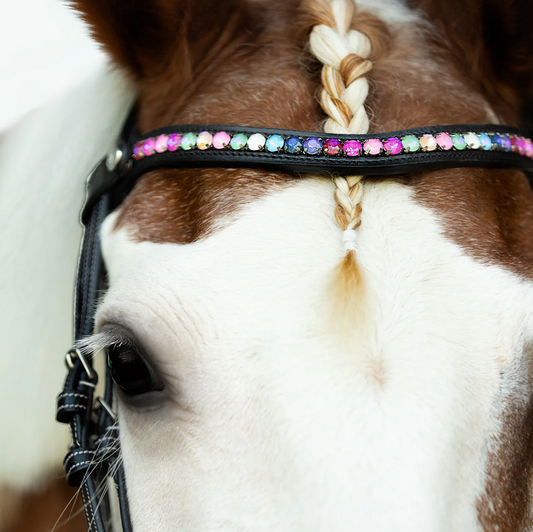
(529, 148)
(352, 148)
(221, 140)
(373, 147)
(444, 141)
(204, 140)
(332, 147)
(149, 146)
(393, 146)
(138, 151)
(521, 144)
(173, 142)
(428, 142)
(161, 143)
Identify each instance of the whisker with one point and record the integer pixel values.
(92, 467)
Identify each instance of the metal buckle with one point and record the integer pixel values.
(113, 159)
(74, 354)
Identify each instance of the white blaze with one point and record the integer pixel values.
(276, 421)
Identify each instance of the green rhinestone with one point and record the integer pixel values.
(238, 141)
(410, 143)
(188, 142)
(459, 142)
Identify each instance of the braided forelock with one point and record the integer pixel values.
(344, 53)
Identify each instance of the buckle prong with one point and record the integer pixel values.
(107, 408)
(74, 354)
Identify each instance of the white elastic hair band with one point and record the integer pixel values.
(349, 236)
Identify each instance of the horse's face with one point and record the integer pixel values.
(272, 409)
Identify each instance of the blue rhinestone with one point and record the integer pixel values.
(496, 141)
(506, 143)
(312, 146)
(294, 145)
(274, 143)
(484, 139)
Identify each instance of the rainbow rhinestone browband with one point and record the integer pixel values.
(385, 154)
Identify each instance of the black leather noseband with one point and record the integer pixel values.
(94, 453)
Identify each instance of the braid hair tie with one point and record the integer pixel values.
(349, 237)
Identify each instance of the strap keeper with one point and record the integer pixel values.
(76, 465)
(71, 403)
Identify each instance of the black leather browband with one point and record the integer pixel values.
(379, 154)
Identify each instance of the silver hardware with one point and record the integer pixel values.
(76, 353)
(107, 408)
(89, 384)
(113, 159)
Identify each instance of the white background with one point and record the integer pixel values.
(45, 50)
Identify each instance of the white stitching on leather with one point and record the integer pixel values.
(71, 406)
(77, 465)
(88, 507)
(76, 454)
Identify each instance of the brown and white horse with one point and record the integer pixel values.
(274, 414)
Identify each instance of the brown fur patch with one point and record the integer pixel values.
(506, 504)
(490, 42)
(39, 511)
(489, 212)
(238, 86)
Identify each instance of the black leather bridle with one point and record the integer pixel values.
(94, 455)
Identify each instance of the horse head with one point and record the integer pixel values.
(271, 375)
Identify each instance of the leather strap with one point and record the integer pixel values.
(130, 167)
(94, 451)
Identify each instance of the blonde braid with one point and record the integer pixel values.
(344, 53)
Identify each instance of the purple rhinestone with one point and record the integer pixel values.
(506, 143)
(312, 146)
(352, 148)
(173, 142)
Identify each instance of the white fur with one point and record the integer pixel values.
(392, 12)
(44, 162)
(274, 420)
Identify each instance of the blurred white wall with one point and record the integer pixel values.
(45, 51)
(57, 93)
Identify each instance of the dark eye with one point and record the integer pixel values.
(130, 371)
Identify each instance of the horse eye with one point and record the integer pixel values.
(130, 371)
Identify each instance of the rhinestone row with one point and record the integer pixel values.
(333, 147)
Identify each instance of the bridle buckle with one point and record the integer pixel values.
(74, 354)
